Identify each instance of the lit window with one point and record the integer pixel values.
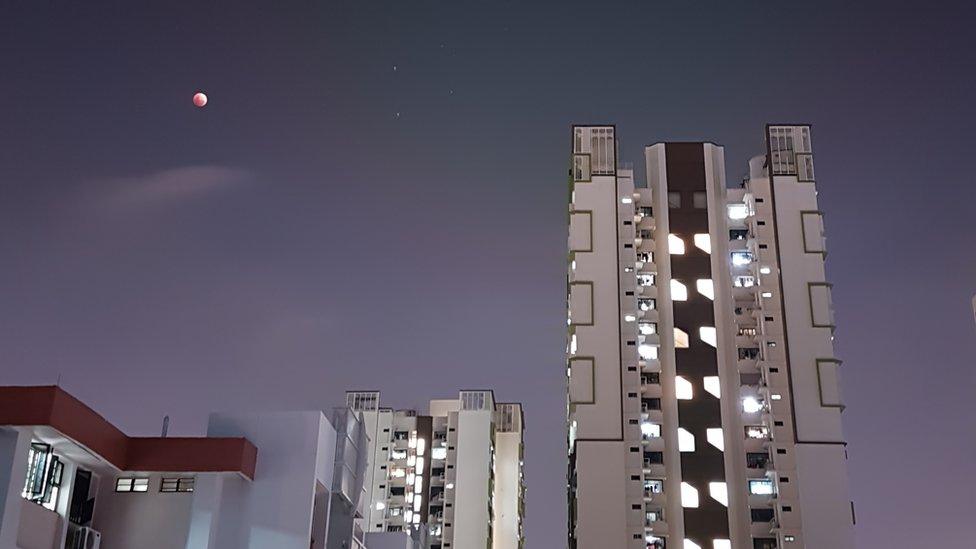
(630, 318)
(760, 487)
(721, 543)
(572, 345)
(686, 440)
(789, 538)
(380, 506)
(647, 328)
(767, 294)
(680, 339)
(765, 270)
(650, 430)
(676, 246)
(712, 386)
(719, 492)
(750, 405)
(741, 258)
(715, 437)
(776, 396)
(645, 279)
(757, 431)
(708, 335)
(703, 242)
(674, 199)
(689, 495)
(176, 484)
(646, 304)
(738, 211)
(438, 452)
(627, 200)
(132, 485)
(682, 388)
(679, 292)
(705, 287)
(744, 281)
(647, 352)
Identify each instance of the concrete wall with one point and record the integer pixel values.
(473, 468)
(40, 528)
(508, 484)
(14, 445)
(295, 450)
(149, 520)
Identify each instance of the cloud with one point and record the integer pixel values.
(171, 186)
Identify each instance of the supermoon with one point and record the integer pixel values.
(200, 99)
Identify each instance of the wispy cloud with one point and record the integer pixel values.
(170, 186)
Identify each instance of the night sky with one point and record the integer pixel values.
(375, 198)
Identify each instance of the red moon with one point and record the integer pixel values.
(200, 99)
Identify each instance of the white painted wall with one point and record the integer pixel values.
(507, 489)
(295, 449)
(39, 527)
(149, 520)
(473, 467)
(14, 445)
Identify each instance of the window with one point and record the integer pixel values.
(645, 211)
(761, 515)
(760, 487)
(647, 352)
(645, 234)
(653, 486)
(645, 257)
(679, 292)
(680, 339)
(646, 328)
(757, 460)
(741, 258)
(180, 484)
(744, 281)
(650, 404)
(44, 475)
(738, 211)
(674, 200)
(757, 431)
(139, 484)
(653, 458)
(748, 353)
(676, 246)
(700, 200)
(645, 279)
(761, 223)
(738, 234)
(646, 304)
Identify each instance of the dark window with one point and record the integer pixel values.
(176, 484)
(628, 245)
(674, 199)
(628, 222)
(700, 200)
(757, 460)
(774, 370)
(396, 490)
(738, 234)
(634, 477)
(764, 543)
(787, 508)
(781, 450)
(762, 246)
(784, 479)
(760, 223)
(636, 507)
(761, 515)
(778, 423)
(760, 200)
(653, 457)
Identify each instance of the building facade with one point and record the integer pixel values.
(69, 478)
(454, 474)
(704, 408)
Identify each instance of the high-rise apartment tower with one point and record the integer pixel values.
(455, 473)
(704, 407)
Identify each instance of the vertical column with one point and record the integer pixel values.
(14, 446)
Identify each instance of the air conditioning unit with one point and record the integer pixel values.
(83, 537)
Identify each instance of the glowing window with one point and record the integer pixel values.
(708, 335)
(683, 389)
(706, 287)
(750, 405)
(679, 292)
(627, 200)
(676, 246)
(703, 242)
(712, 386)
(765, 270)
(686, 440)
(776, 396)
(645, 279)
(680, 339)
(744, 281)
(689, 495)
(719, 492)
(715, 437)
(760, 487)
(650, 430)
(767, 294)
(738, 211)
(439, 452)
(721, 543)
(630, 318)
(647, 328)
(647, 352)
(757, 431)
(741, 258)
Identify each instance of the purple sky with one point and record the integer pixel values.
(296, 238)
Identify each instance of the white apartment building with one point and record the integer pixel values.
(455, 473)
(704, 407)
(70, 479)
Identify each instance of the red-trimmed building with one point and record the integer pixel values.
(69, 478)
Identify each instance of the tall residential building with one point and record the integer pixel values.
(455, 472)
(704, 408)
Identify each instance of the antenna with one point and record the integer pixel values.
(165, 426)
(59, 380)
